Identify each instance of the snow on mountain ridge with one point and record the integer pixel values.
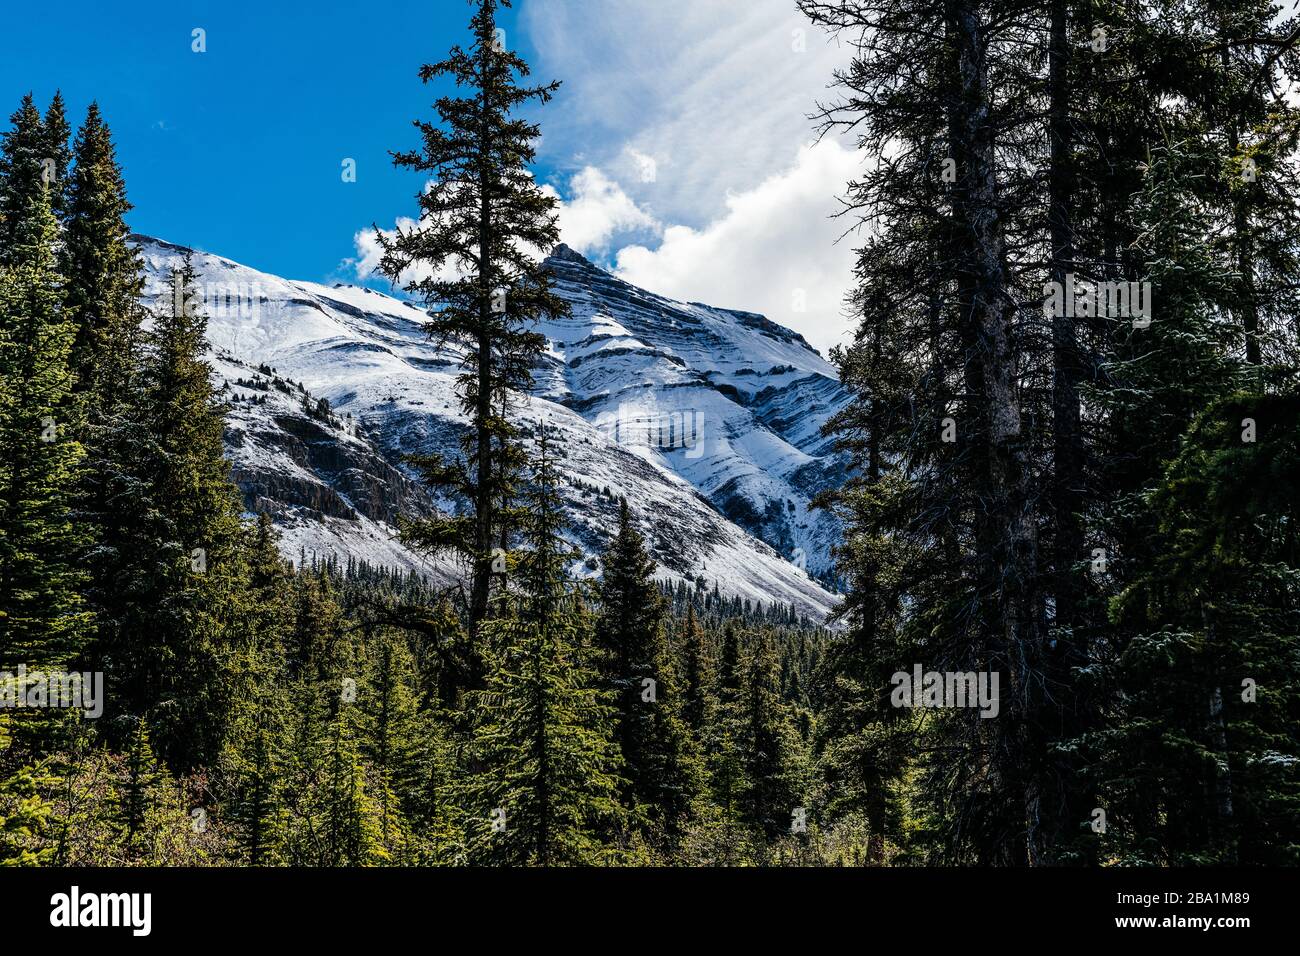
(755, 394)
(335, 484)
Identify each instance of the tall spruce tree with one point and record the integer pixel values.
(1195, 764)
(945, 549)
(483, 218)
(333, 797)
(1158, 381)
(253, 766)
(117, 497)
(697, 676)
(403, 744)
(352, 803)
(725, 741)
(167, 656)
(56, 156)
(772, 789)
(105, 279)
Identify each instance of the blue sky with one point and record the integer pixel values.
(679, 143)
(239, 149)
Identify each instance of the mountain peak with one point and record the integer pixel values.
(565, 253)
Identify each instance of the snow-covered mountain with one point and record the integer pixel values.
(708, 421)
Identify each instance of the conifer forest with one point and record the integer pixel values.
(1033, 601)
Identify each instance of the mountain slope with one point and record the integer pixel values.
(727, 400)
(706, 420)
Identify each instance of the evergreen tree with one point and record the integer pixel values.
(137, 792)
(952, 539)
(254, 766)
(1231, 101)
(353, 812)
(167, 657)
(636, 664)
(725, 744)
(996, 451)
(55, 153)
(316, 648)
(117, 497)
(697, 676)
(22, 182)
(1176, 624)
(41, 610)
(483, 216)
(730, 663)
(253, 763)
(548, 781)
(24, 813)
(105, 282)
(333, 801)
(1192, 766)
(407, 749)
(269, 591)
(771, 789)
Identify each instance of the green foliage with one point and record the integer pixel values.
(408, 747)
(22, 179)
(262, 714)
(337, 714)
(42, 611)
(697, 676)
(180, 569)
(54, 147)
(548, 781)
(135, 798)
(104, 278)
(1017, 502)
(23, 816)
(660, 772)
(1205, 687)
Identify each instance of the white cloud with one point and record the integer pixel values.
(596, 210)
(370, 252)
(716, 93)
(773, 250)
(700, 112)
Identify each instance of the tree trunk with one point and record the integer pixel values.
(1006, 527)
(482, 564)
(1068, 453)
